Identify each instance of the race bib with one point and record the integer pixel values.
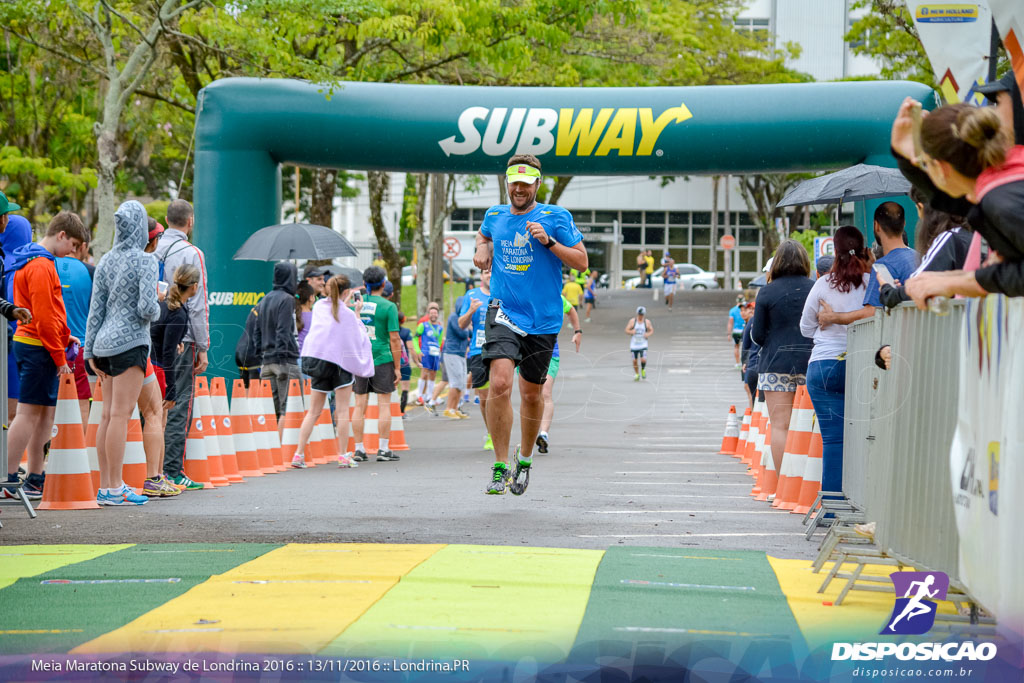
(481, 337)
(372, 331)
(503, 319)
(434, 350)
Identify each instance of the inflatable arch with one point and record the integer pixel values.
(247, 128)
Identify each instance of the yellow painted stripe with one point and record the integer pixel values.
(20, 561)
(480, 602)
(292, 600)
(859, 618)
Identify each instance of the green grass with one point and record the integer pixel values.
(409, 300)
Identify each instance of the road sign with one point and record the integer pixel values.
(727, 242)
(452, 247)
(824, 246)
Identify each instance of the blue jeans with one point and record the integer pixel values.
(826, 383)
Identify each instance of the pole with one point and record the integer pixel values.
(296, 194)
(993, 55)
(727, 256)
(451, 285)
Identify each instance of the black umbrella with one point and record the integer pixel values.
(294, 241)
(355, 275)
(851, 184)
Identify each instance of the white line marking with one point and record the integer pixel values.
(684, 512)
(677, 483)
(675, 472)
(701, 631)
(666, 495)
(728, 535)
(668, 584)
(715, 461)
(678, 371)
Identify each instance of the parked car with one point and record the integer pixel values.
(690, 276)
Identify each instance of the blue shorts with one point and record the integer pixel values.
(406, 372)
(37, 375)
(13, 384)
(431, 362)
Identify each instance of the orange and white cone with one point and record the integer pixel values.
(95, 414)
(811, 483)
(260, 437)
(197, 467)
(133, 468)
(242, 436)
(329, 443)
(228, 457)
(68, 477)
(754, 435)
(398, 442)
(761, 451)
(769, 481)
(732, 433)
(270, 413)
(371, 426)
(210, 440)
(293, 416)
(798, 443)
(741, 444)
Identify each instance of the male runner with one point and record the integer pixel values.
(525, 244)
(475, 360)
(427, 342)
(640, 328)
(671, 275)
(549, 381)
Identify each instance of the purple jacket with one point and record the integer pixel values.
(343, 342)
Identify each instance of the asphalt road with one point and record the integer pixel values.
(631, 463)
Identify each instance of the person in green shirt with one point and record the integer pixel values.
(381, 319)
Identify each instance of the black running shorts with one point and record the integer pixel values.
(531, 354)
(382, 382)
(476, 366)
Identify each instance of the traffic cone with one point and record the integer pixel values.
(371, 425)
(210, 440)
(68, 475)
(258, 420)
(242, 436)
(267, 398)
(798, 442)
(197, 467)
(811, 483)
(228, 457)
(398, 442)
(293, 416)
(732, 433)
(741, 444)
(133, 468)
(769, 477)
(351, 444)
(757, 467)
(754, 435)
(95, 413)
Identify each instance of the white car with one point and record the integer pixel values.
(690, 277)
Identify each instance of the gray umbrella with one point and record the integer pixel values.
(849, 185)
(355, 275)
(294, 241)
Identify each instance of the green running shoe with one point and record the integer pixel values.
(643, 373)
(488, 444)
(499, 475)
(521, 477)
(182, 480)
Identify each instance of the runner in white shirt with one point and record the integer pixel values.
(640, 328)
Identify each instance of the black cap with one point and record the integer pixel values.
(312, 271)
(993, 88)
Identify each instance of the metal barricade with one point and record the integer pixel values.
(896, 461)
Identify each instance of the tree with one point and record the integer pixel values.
(887, 34)
(762, 194)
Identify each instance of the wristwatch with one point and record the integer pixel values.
(551, 242)
(577, 332)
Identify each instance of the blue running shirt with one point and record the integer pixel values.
(525, 276)
(476, 339)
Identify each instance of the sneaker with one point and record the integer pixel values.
(33, 491)
(299, 461)
(359, 456)
(182, 480)
(865, 530)
(131, 496)
(158, 487)
(520, 478)
(476, 400)
(586, 320)
(461, 415)
(11, 492)
(499, 475)
(419, 400)
(387, 456)
(488, 444)
(643, 373)
(345, 461)
(124, 496)
(452, 414)
(542, 443)
(636, 378)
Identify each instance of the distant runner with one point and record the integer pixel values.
(671, 275)
(640, 328)
(427, 343)
(475, 359)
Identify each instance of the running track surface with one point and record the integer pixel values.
(412, 601)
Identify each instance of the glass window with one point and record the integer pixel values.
(679, 236)
(702, 258)
(748, 261)
(461, 226)
(606, 216)
(654, 236)
(632, 217)
(631, 235)
(702, 218)
(750, 236)
(678, 218)
(701, 236)
(653, 218)
(461, 215)
(743, 218)
(687, 270)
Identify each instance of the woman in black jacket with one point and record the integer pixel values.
(782, 362)
(968, 167)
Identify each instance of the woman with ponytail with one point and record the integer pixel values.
(842, 288)
(967, 167)
(170, 329)
(336, 349)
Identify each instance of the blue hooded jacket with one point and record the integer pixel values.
(17, 234)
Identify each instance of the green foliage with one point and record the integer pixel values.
(157, 210)
(806, 238)
(38, 184)
(887, 34)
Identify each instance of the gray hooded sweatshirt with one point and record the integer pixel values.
(124, 289)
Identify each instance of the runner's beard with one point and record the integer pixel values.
(519, 203)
